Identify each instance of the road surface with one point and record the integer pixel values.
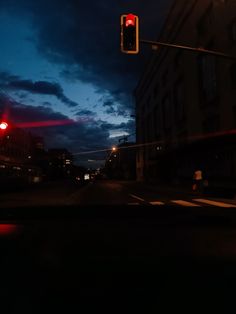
(110, 192)
(120, 263)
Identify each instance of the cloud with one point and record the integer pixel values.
(83, 36)
(79, 136)
(107, 103)
(115, 108)
(110, 110)
(128, 127)
(46, 104)
(9, 82)
(85, 112)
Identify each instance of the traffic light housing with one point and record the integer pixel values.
(129, 33)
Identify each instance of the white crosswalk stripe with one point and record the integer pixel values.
(214, 203)
(197, 202)
(185, 203)
(137, 197)
(157, 203)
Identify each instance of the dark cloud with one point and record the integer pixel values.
(84, 37)
(85, 112)
(22, 96)
(115, 109)
(108, 103)
(80, 136)
(110, 110)
(128, 127)
(38, 87)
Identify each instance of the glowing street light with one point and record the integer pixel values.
(114, 149)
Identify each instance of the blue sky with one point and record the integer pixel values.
(19, 52)
(58, 63)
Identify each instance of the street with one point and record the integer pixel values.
(143, 258)
(111, 192)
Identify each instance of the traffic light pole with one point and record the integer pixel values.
(201, 50)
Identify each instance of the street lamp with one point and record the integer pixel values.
(114, 149)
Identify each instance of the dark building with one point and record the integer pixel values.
(18, 157)
(186, 101)
(15, 145)
(60, 163)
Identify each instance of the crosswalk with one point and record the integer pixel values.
(196, 202)
(185, 203)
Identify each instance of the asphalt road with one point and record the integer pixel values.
(125, 260)
(110, 192)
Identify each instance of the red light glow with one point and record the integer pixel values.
(39, 124)
(7, 229)
(3, 125)
(130, 20)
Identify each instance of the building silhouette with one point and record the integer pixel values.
(186, 101)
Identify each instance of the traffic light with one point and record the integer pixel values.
(3, 125)
(129, 33)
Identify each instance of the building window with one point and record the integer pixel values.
(208, 81)
(233, 75)
(157, 122)
(166, 112)
(164, 78)
(205, 21)
(150, 132)
(156, 90)
(232, 31)
(177, 60)
(234, 115)
(179, 101)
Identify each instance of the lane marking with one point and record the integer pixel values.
(157, 203)
(185, 203)
(133, 204)
(214, 203)
(138, 198)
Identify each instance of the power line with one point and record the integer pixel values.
(120, 147)
(188, 139)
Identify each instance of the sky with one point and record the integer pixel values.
(60, 60)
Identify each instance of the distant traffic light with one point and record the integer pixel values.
(3, 125)
(130, 33)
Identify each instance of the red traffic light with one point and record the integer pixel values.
(3, 125)
(130, 20)
(129, 33)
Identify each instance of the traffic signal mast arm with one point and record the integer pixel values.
(202, 50)
(130, 39)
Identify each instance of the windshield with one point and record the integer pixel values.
(129, 103)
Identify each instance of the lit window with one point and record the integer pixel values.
(205, 22)
(208, 81)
